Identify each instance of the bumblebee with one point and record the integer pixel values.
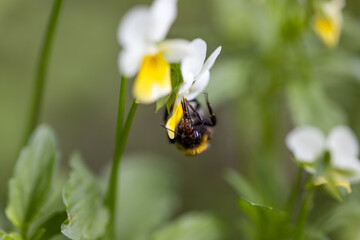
(193, 132)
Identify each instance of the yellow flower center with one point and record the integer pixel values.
(153, 80)
(174, 120)
(328, 29)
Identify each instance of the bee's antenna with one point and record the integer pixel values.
(169, 129)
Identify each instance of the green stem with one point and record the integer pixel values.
(294, 192)
(118, 133)
(303, 214)
(39, 82)
(120, 115)
(120, 142)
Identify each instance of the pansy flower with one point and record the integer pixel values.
(333, 158)
(328, 21)
(196, 75)
(146, 53)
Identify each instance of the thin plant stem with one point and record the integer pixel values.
(303, 214)
(120, 116)
(295, 190)
(120, 142)
(39, 81)
(118, 133)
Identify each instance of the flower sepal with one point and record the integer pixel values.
(176, 81)
(324, 174)
(335, 186)
(331, 178)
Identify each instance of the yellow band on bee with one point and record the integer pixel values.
(197, 149)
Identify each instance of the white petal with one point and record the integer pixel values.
(130, 61)
(306, 143)
(348, 164)
(210, 61)
(188, 77)
(133, 29)
(333, 7)
(343, 142)
(175, 50)
(192, 64)
(344, 162)
(198, 86)
(162, 15)
(184, 89)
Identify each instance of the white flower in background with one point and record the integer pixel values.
(196, 75)
(310, 146)
(328, 21)
(141, 34)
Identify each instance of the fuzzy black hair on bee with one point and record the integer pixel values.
(194, 131)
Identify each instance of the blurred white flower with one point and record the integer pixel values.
(196, 75)
(309, 146)
(328, 21)
(141, 34)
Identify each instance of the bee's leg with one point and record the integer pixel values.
(196, 112)
(197, 106)
(212, 121)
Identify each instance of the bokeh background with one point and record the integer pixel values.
(272, 74)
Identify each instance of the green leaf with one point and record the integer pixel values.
(242, 186)
(176, 76)
(32, 188)
(161, 102)
(168, 100)
(50, 227)
(147, 195)
(172, 99)
(310, 106)
(199, 226)
(269, 222)
(87, 215)
(10, 236)
(176, 80)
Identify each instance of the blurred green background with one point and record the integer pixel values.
(273, 73)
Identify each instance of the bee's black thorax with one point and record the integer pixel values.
(189, 135)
